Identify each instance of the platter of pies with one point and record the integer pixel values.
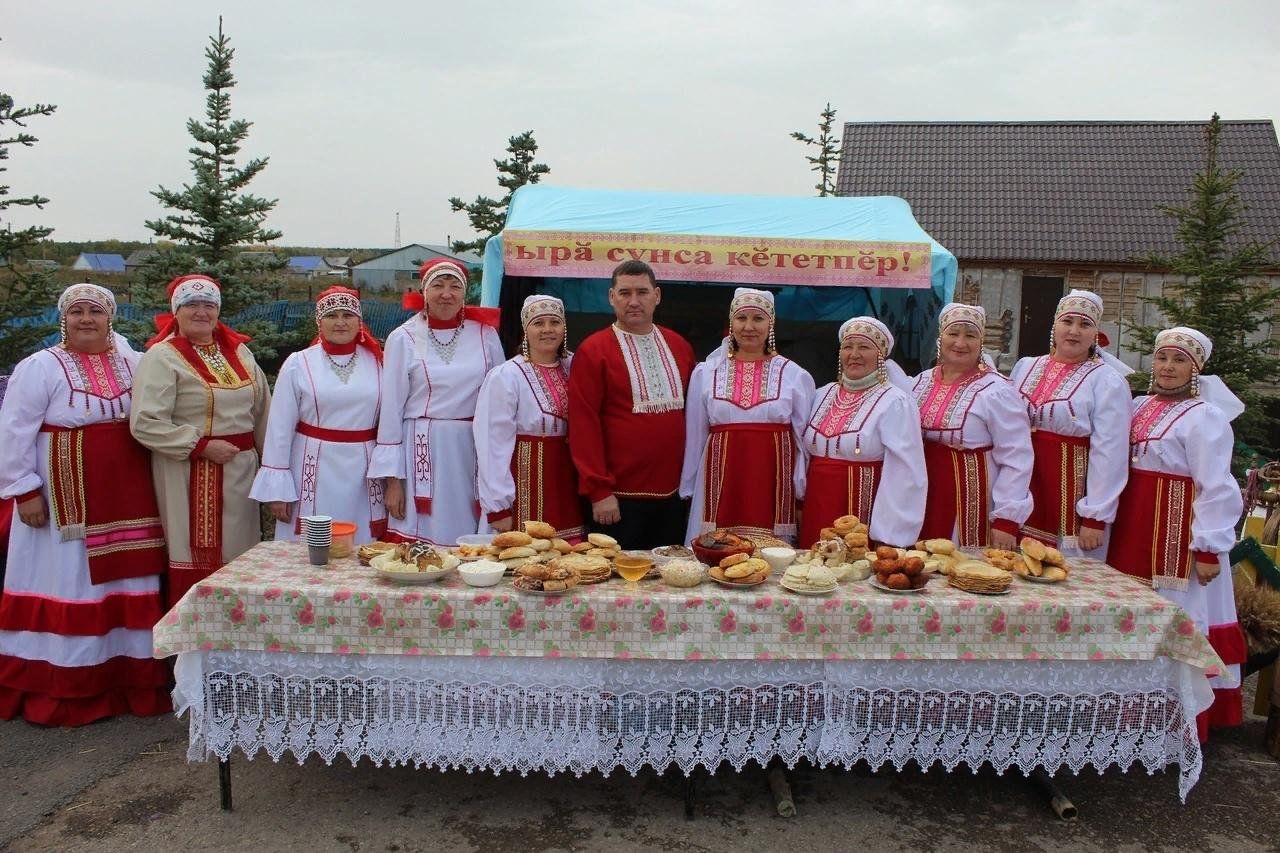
(738, 584)
(740, 570)
(545, 578)
(1042, 578)
(800, 590)
(529, 591)
(809, 580)
(908, 591)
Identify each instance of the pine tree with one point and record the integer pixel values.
(23, 292)
(488, 215)
(1215, 294)
(214, 218)
(828, 156)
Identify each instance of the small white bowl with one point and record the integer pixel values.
(476, 539)
(778, 558)
(481, 572)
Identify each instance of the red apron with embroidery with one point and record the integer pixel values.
(750, 476)
(546, 485)
(959, 488)
(1058, 479)
(834, 488)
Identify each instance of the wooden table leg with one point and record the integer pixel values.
(1273, 719)
(783, 802)
(224, 783)
(1058, 801)
(690, 787)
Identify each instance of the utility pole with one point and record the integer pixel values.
(397, 245)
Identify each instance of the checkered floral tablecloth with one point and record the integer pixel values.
(271, 599)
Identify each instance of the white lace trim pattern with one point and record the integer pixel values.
(583, 715)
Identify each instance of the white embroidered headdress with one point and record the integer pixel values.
(87, 292)
(540, 305)
(1083, 303)
(871, 329)
(958, 312)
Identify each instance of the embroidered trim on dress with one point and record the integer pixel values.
(842, 411)
(104, 375)
(943, 406)
(549, 384)
(1154, 418)
(747, 384)
(655, 377)
(1050, 381)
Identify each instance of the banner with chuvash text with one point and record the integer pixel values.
(730, 260)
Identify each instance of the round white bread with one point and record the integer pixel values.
(539, 530)
(512, 539)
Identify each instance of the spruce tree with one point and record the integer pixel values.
(213, 219)
(488, 215)
(1214, 294)
(24, 292)
(827, 159)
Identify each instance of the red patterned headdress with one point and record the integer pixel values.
(192, 288)
(433, 269)
(339, 298)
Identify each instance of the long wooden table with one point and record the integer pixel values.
(278, 656)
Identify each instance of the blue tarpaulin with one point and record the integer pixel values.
(912, 314)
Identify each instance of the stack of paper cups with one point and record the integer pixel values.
(317, 530)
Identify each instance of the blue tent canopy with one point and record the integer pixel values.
(912, 314)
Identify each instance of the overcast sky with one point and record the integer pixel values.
(382, 107)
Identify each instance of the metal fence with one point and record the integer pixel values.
(380, 317)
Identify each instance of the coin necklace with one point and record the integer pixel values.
(445, 349)
(213, 359)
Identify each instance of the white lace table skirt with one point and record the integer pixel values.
(583, 715)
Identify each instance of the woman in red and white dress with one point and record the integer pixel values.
(434, 364)
(1178, 513)
(977, 439)
(861, 435)
(87, 550)
(1078, 402)
(522, 430)
(323, 426)
(744, 412)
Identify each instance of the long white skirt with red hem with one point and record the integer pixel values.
(1213, 607)
(71, 651)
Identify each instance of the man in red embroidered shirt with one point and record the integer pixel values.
(626, 416)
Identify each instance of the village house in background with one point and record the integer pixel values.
(315, 266)
(1032, 209)
(91, 262)
(397, 270)
(137, 259)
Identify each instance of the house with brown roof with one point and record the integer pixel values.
(1033, 209)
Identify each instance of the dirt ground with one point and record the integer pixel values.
(126, 785)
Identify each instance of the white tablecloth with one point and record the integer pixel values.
(580, 715)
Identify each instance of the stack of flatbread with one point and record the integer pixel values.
(982, 578)
(589, 568)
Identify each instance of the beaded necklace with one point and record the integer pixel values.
(342, 371)
(445, 349)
